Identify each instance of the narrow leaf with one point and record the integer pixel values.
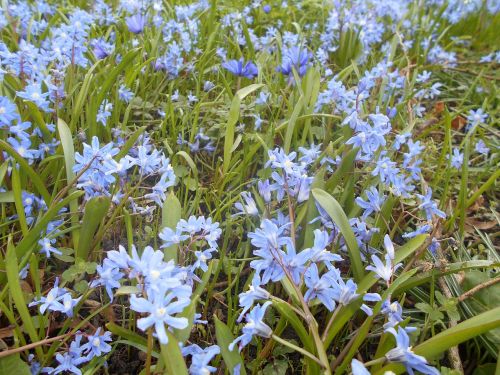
(334, 210)
(224, 338)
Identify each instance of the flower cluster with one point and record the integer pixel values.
(98, 170)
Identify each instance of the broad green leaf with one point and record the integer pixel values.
(18, 296)
(234, 114)
(291, 123)
(345, 166)
(462, 332)
(334, 210)
(96, 209)
(69, 161)
(17, 190)
(297, 325)
(125, 333)
(171, 214)
(172, 357)
(129, 143)
(224, 338)
(29, 241)
(3, 170)
(7, 197)
(25, 167)
(429, 276)
(368, 281)
(14, 365)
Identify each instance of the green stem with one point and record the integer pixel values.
(375, 362)
(150, 350)
(330, 322)
(296, 348)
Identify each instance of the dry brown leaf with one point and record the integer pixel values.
(471, 223)
(458, 123)
(438, 108)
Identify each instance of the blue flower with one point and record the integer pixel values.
(255, 326)
(66, 363)
(136, 23)
(241, 68)
(22, 147)
(97, 344)
(172, 237)
(8, 112)
(429, 206)
(358, 368)
(383, 271)
(373, 203)
(457, 159)
(125, 94)
(264, 188)
(33, 93)
(262, 98)
(200, 360)
(104, 112)
(250, 208)
(318, 253)
(160, 307)
(53, 300)
(101, 48)
(481, 147)
(320, 288)
(402, 353)
(419, 230)
(109, 277)
(295, 58)
(476, 117)
(254, 292)
(68, 304)
(47, 248)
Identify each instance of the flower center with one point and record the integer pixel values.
(160, 312)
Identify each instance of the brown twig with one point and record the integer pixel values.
(477, 288)
(8, 352)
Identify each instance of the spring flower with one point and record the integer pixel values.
(160, 307)
(255, 326)
(429, 206)
(319, 287)
(109, 277)
(457, 159)
(250, 208)
(482, 148)
(101, 48)
(295, 58)
(47, 248)
(200, 359)
(136, 23)
(125, 94)
(33, 93)
(97, 344)
(241, 68)
(358, 368)
(402, 353)
(476, 117)
(373, 203)
(8, 111)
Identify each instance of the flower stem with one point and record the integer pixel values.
(150, 350)
(375, 362)
(296, 348)
(330, 322)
